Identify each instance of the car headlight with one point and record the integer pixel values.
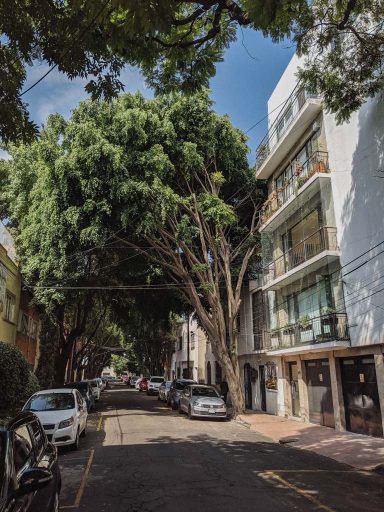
(66, 423)
(197, 404)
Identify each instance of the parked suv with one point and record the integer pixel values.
(29, 471)
(177, 387)
(154, 384)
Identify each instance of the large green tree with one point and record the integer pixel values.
(165, 180)
(177, 44)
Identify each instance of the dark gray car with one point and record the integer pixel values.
(202, 401)
(177, 386)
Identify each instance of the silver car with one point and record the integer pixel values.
(164, 390)
(202, 401)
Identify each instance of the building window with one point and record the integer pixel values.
(180, 343)
(33, 329)
(23, 323)
(270, 375)
(9, 310)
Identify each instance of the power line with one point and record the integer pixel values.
(81, 35)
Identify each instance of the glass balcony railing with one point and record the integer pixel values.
(316, 163)
(327, 327)
(322, 240)
(290, 111)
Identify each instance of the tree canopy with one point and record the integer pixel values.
(167, 183)
(177, 44)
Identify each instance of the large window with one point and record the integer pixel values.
(9, 310)
(310, 302)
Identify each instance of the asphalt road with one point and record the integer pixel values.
(139, 456)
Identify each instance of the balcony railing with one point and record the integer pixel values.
(289, 113)
(316, 163)
(322, 240)
(328, 327)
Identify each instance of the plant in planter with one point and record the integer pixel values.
(305, 323)
(301, 180)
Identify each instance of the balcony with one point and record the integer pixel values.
(279, 199)
(289, 126)
(308, 255)
(328, 331)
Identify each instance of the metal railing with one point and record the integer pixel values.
(331, 326)
(316, 163)
(321, 240)
(288, 114)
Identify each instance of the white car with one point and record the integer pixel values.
(154, 384)
(96, 389)
(63, 414)
(101, 383)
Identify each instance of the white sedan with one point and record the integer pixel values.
(63, 414)
(96, 389)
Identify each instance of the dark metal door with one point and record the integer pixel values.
(247, 386)
(294, 386)
(209, 374)
(320, 392)
(262, 389)
(361, 396)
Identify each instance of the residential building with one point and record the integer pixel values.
(320, 347)
(10, 285)
(28, 328)
(192, 345)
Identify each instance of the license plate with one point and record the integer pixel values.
(212, 411)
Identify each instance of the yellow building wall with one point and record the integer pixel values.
(12, 284)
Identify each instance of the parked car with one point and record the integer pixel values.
(137, 385)
(96, 390)
(164, 388)
(134, 380)
(143, 384)
(202, 401)
(176, 388)
(63, 414)
(30, 478)
(85, 390)
(101, 383)
(153, 385)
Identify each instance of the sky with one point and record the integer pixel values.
(241, 87)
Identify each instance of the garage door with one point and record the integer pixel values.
(361, 396)
(320, 392)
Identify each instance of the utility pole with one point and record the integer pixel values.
(188, 346)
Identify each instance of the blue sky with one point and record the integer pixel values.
(241, 87)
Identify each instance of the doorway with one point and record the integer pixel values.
(263, 394)
(247, 386)
(294, 388)
(361, 396)
(320, 401)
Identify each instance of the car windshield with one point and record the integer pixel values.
(157, 379)
(201, 391)
(181, 384)
(51, 402)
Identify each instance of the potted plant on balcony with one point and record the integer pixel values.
(305, 327)
(288, 331)
(301, 180)
(328, 316)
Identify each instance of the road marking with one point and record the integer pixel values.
(294, 487)
(80, 492)
(100, 423)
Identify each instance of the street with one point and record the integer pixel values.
(140, 456)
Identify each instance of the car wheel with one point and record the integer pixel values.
(158, 397)
(180, 410)
(75, 445)
(190, 413)
(55, 505)
(173, 405)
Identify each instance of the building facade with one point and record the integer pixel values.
(192, 345)
(319, 355)
(28, 328)
(10, 286)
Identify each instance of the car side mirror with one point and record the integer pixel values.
(33, 479)
(222, 397)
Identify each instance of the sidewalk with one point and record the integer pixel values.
(362, 452)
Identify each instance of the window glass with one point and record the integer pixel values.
(9, 310)
(51, 402)
(38, 437)
(201, 391)
(22, 448)
(272, 315)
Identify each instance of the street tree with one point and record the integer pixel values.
(177, 44)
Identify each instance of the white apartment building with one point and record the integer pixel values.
(312, 329)
(192, 345)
